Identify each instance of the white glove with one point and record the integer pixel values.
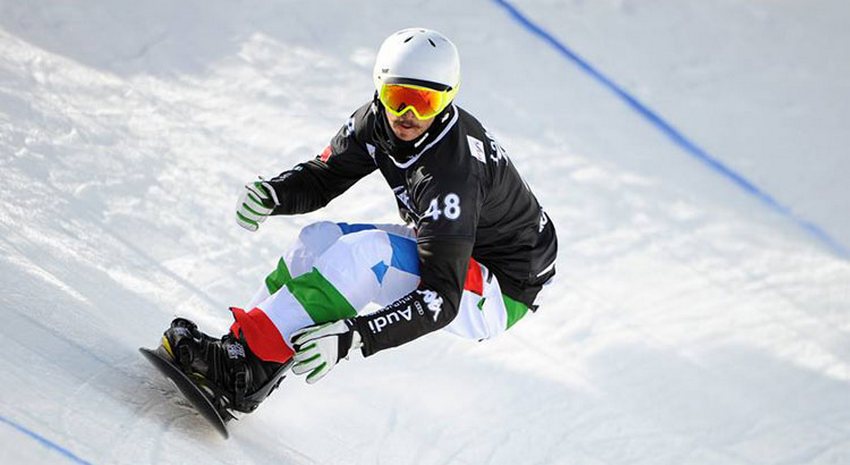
(318, 348)
(255, 204)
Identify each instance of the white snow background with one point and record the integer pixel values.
(690, 323)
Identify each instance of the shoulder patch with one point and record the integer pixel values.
(476, 148)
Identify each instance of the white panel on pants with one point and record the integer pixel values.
(346, 261)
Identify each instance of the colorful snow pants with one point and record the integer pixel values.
(335, 270)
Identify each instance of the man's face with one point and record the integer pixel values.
(407, 127)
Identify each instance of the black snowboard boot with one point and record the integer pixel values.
(233, 377)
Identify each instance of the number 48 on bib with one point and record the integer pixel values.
(451, 208)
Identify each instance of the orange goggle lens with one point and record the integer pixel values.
(425, 103)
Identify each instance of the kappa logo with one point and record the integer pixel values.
(476, 148)
(403, 197)
(434, 302)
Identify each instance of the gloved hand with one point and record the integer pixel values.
(255, 204)
(318, 348)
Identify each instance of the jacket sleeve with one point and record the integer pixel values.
(312, 184)
(446, 236)
(430, 307)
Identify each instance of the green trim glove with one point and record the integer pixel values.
(319, 348)
(255, 204)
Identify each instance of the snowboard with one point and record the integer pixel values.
(190, 390)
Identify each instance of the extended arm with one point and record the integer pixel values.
(312, 184)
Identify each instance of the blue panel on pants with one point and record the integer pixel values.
(353, 228)
(380, 269)
(405, 254)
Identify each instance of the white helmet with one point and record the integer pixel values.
(418, 56)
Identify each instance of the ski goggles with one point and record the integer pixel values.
(425, 103)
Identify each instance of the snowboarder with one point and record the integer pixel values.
(475, 252)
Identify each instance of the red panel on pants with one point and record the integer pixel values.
(261, 335)
(474, 279)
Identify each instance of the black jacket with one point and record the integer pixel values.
(460, 191)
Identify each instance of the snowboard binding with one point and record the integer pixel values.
(220, 377)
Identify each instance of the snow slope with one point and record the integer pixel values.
(690, 323)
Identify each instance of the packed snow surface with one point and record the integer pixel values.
(690, 323)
